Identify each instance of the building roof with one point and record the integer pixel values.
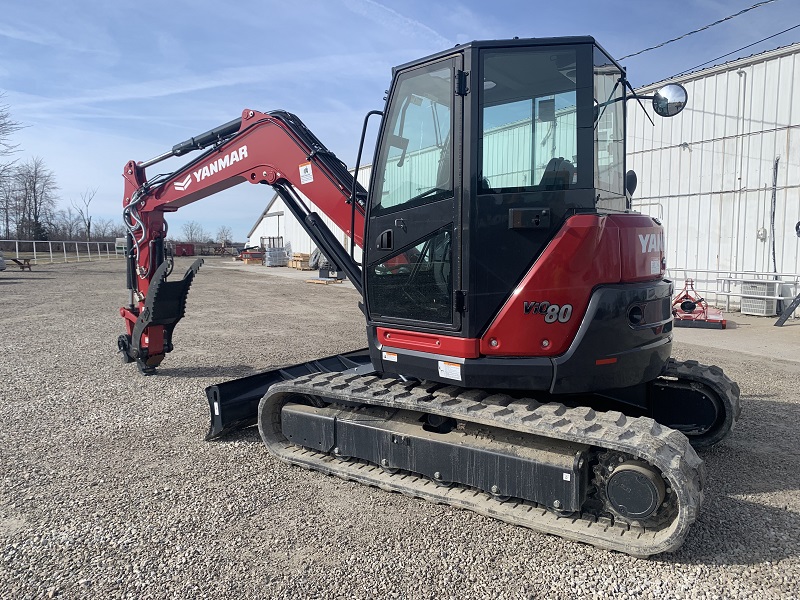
(262, 215)
(727, 66)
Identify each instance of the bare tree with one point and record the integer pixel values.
(193, 232)
(102, 228)
(106, 230)
(7, 129)
(224, 236)
(64, 225)
(83, 210)
(8, 203)
(117, 229)
(35, 189)
(7, 198)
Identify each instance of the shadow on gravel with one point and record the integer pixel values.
(248, 434)
(749, 515)
(761, 456)
(230, 371)
(740, 533)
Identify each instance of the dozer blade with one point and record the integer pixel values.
(234, 404)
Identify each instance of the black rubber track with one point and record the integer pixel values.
(667, 450)
(725, 390)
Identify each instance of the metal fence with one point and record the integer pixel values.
(742, 290)
(60, 251)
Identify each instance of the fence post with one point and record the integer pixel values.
(64, 247)
(34, 251)
(50, 247)
(16, 248)
(77, 253)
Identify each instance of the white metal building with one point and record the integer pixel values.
(277, 221)
(723, 176)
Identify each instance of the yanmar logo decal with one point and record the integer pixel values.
(182, 185)
(651, 242)
(211, 168)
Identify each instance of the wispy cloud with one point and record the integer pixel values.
(320, 68)
(43, 37)
(393, 21)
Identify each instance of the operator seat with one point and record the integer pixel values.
(557, 174)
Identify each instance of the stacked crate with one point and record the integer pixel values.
(299, 261)
(275, 257)
(252, 257)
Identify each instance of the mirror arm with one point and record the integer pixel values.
(601, 104)
(638, 99)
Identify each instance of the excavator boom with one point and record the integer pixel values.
(263, 148)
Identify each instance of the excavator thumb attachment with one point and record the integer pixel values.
(234, 404)
(165, 305)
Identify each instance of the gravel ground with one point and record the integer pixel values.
(107, 489)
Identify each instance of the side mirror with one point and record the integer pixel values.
(630, 182)
(669, 100)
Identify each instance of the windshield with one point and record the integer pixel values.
(529, 127)
(416, 157)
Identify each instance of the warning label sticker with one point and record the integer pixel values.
(655, 267)
(306, 174)
(389, 356)
(450, 370)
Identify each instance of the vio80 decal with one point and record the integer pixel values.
(551, 312)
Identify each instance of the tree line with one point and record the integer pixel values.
(29, 202)
(29, 208)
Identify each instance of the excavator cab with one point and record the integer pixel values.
(485, 152)
(531, 130)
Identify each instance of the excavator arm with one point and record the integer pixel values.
(262, 148)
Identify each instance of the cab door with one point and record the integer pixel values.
(412, 258)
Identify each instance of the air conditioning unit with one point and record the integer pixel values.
(755, 298)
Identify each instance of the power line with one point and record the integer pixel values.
(734, 52)
(741, 12)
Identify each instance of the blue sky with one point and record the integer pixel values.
(98, 83)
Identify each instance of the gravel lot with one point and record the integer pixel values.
(107, 489)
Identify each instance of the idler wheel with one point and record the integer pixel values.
(635, 490)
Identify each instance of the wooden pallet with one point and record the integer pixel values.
(321, 281)
(300, 265)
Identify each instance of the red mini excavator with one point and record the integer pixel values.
(518, 322)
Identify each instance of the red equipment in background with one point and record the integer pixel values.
(690, 310)
(184, 249)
